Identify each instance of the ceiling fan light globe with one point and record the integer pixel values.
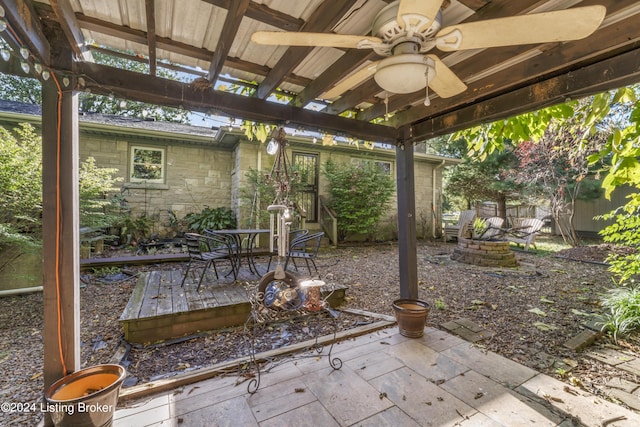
(403, 74)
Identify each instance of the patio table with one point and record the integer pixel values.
(237, 236)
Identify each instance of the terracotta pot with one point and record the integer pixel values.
(87, 397)
(411, 315)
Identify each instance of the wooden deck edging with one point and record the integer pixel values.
(160, 309)
(132, 260)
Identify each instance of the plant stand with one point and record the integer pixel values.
(279, 300)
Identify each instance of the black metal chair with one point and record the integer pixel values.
(208, 250)
(234, 244)
(293, 235)
(306, 248)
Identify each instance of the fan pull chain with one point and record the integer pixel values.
(427, 101)
(386, 106)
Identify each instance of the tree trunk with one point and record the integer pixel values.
(502, 206)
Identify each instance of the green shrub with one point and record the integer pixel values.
(624, 231)
(359, 195)
(98, 207)
(21, 179)
(211, 219)
(259, 192)
(138, 228)
(623, 306)
(9, 237)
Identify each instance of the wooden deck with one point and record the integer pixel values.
(160, 309)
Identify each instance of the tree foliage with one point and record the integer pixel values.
(622, 155)
(491, 179)
(556, 167)
(21, 178)
(358, 194)
(99, 206)
(29, 91)
(21, 185)
(617, 113)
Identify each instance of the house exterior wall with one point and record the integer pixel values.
(199, 176)
(201, 172)
(192, 182)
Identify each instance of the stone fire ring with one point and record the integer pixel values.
(484, 253)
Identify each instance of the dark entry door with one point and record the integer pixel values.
(307, 196)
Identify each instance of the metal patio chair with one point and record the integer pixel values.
(207, 250)
(293, 235)
(306, 248)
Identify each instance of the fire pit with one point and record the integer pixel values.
(487, 253)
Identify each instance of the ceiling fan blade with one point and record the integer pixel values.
(314, 39)
(417, 14)
(352, 81)
(561, 25)
(445, 83)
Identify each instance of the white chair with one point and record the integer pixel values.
(454, 230)
(524, 232)
(493, 228)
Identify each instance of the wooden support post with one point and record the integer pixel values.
(61, 262)
(408, 263)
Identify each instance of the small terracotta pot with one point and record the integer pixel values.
(411, 315)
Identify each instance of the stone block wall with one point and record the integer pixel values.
(195, 177)
(484, 253)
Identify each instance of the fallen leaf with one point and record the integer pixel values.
(579, 313)
(537, 311)
(544, 327)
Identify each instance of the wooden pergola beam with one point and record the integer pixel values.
(24, 21)
(127, 84)
(150, 11)
(236, 12)
(71, 28)
(173, 46)
(322, 20)
(265, 14)
(609, 74)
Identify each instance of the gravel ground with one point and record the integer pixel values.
(514, 303)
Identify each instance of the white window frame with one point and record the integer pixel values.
(163, 164)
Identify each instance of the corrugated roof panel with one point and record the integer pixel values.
(298, 8)
(247, 50)
(164, 14)
(360, 17)
(134, 14)
(99, 9)
(455, 13)
(214, 30)
(190, 21)
(317, 61)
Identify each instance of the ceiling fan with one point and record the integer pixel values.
(405, 30)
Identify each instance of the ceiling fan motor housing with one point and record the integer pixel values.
(386, 26)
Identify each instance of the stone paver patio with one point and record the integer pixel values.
(386, 380)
